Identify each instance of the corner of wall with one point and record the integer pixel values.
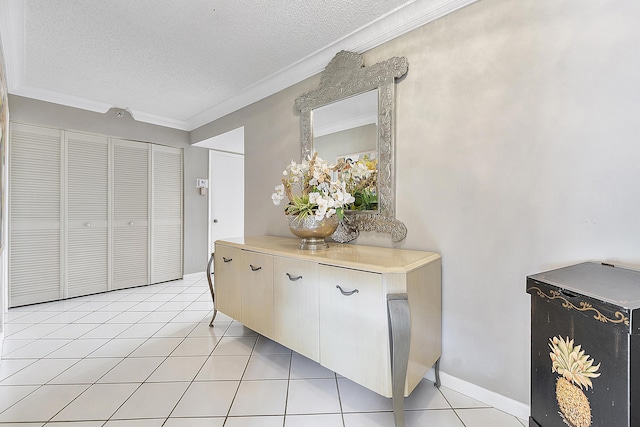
(498, 401)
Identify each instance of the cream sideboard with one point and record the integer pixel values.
(370, 314)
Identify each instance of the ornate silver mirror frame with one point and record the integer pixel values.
(346, 76)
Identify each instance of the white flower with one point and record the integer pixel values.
(348, 199)
(324, 203)
(361, 170)
(294, 168)
(278, 195)
(313, 198)
(276, 198)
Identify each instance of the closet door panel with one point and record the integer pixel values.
(166, 226)
(87, 214)
(130, 247)
(130, 256)
(35, 215)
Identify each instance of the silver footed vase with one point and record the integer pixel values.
(312, 231)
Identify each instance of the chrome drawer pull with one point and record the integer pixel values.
(227, 259)
(347, 293)
(255, 268)
(293, 278)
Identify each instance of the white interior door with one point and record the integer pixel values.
(226, 197)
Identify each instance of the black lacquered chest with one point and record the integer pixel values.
(585, 346)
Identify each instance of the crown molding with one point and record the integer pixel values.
(60, 98)
(387, 27)
(155, 119)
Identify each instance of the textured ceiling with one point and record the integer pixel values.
(171, 62)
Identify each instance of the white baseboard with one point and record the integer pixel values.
(192, 276)
(498, 401)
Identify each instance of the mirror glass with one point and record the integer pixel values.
(346, 133)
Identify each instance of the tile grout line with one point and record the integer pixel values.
(286, 395)
(196, 374)
(335, 377)
(244, 371)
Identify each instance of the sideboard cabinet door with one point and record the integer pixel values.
(353, 318)
(257, 292)
(296, 312)
(227, 281)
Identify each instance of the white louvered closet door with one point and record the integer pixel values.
(130, 248)
(87, 214)
(35, 164)
(166, 225)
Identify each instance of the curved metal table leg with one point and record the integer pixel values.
(399, 337)
(437, 369)
(213, 295)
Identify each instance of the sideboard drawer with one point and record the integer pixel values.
(353, 318)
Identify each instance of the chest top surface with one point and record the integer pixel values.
(614, 285)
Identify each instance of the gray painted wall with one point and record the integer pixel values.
(196, 211)
(195, 159)
(516, 153)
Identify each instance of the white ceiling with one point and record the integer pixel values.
(184, 63)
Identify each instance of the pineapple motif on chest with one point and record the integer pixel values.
(576, 370)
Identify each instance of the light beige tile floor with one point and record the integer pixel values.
(146, 357)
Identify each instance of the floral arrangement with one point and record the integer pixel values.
(312, 191)
(360, 177)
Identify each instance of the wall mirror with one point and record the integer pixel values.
(350, 117)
